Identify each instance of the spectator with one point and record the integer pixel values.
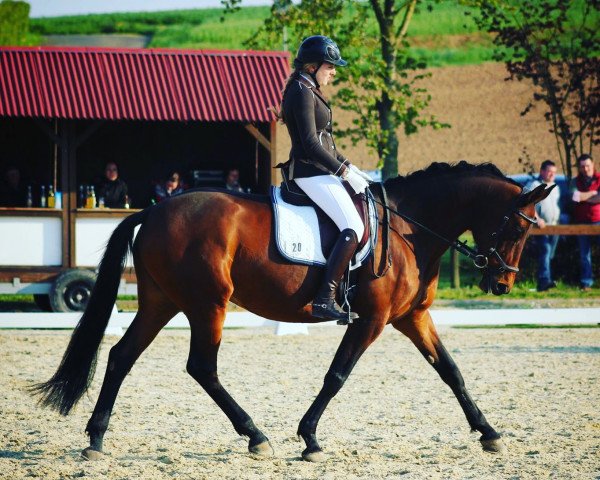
(111, 188)
(232, 180)
(171, 185)
(12, 192)
(547, 212)
(586, 211)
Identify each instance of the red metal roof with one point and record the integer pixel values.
(132, 84)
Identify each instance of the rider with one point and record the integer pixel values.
(315, 164)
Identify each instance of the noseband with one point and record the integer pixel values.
(480, 260)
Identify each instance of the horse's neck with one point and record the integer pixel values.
(446, 207)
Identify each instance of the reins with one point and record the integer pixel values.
(480, 260)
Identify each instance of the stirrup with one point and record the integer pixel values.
(328, 311)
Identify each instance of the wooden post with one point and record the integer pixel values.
(275, 172)
(454, 269)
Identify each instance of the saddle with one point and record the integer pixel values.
(305, 234)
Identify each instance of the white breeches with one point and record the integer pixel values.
(328, 193)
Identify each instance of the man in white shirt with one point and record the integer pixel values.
(547, 213)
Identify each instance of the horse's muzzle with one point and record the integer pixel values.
(490, 284)
(499, 288)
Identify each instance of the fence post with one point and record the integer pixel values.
(454, 269)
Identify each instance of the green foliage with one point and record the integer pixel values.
(554, 44)
(381, 85)
(441, 35)
(14, 23)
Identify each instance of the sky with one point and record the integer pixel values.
(54, 8)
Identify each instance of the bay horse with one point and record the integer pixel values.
(197, 251)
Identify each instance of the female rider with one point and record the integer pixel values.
(315, 164)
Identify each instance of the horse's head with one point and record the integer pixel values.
(500, 238)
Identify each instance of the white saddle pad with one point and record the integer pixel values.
(298, 237)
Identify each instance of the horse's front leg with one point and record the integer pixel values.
(356, 340)
(422, 332)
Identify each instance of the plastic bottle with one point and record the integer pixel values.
(81, 198)
(43, 197)
(88, 198)
(92, 198)
(51, 200)
(29, 201)
(126, 201)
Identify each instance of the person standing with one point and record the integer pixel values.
(547, 212)
(112, 188)
(586, 211)
(12, 191)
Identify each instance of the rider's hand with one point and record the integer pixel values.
(358, 183)
(358, 171)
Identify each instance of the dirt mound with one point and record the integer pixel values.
(484, 111)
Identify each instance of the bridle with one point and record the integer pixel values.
(480, 259)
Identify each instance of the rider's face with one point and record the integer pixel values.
(325, 73)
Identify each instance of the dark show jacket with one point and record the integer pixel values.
(114, 192)
(309, 122)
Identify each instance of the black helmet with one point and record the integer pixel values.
(319, 49)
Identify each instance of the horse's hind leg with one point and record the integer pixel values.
(206, 328)
(155, 311)
(422, 332)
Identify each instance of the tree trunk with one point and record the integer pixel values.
(389, 144)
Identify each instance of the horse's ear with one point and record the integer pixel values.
(536, 195)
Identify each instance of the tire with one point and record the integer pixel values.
(71, 290)
(42, 301)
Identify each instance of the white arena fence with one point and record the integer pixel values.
(446, 317)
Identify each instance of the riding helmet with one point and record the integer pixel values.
(319, 49)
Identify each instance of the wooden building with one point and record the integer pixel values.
(65, 112)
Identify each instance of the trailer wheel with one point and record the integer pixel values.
(42, 301)
(71, 290)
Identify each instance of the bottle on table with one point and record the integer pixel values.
(43, 197)
(51, 199)
(92, 198)
(126, 201)
(82, 197)
(100, 202)
(29, 201)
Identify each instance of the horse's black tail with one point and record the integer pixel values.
(78, 365)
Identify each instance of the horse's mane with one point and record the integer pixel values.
(437, 169)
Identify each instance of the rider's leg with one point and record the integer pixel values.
(330, 195)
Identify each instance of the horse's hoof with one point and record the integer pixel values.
(493, 445)
(262, 450)
(317, 456)
(90, 454)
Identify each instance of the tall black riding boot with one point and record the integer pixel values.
(324, 304)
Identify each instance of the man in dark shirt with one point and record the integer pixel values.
(111, 188)
(12, 191)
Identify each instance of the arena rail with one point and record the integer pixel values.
(443, 317)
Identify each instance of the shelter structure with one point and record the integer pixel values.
(67, 111)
